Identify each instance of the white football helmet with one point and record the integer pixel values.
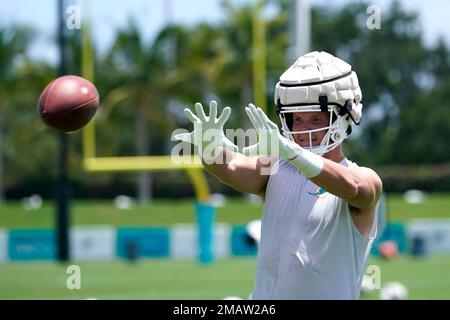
(320, 82)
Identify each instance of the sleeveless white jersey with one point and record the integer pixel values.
(310, 247)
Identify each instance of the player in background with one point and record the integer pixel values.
(319, 217)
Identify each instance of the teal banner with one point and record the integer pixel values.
(32, 244)
(241, 243)
(392, 232)
(142, 242)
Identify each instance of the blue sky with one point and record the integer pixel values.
(108, 15)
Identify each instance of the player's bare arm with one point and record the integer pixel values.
(360, 187)
(242, 173)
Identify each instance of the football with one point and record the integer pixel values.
(68, 103)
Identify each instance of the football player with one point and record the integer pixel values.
(319, 217)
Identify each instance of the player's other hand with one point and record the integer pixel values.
(270, 141)
(208, 133)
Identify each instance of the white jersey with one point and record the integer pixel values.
(310, 248)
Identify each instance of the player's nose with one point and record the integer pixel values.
(301, 127)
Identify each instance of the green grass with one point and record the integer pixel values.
(166, 212)
(159, 213)
(434, 206)
(148, 279)
(173, 279)
(427, 278)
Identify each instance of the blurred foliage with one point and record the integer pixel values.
(144, 86)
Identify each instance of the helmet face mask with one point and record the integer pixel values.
(320, 82)
(335, 131)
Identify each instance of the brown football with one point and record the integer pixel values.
(68, 103)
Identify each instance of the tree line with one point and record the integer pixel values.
(144, 86)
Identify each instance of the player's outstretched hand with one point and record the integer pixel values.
(270, 141)
(208, 133)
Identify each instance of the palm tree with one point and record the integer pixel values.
(228, 55)
(146, 77)
(13, 45)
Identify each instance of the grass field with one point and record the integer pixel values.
(427, 278)
(168, 279)
(166, 212)
(160, 212)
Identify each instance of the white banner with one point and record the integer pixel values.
(432, 234)
(184, 241)
(93, 243)
(3, 245)
(222, 240)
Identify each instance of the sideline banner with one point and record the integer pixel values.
(429, 236)
(142, 242)
(32, 244)
(93, 243)
(184, 241)
(3, 245)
